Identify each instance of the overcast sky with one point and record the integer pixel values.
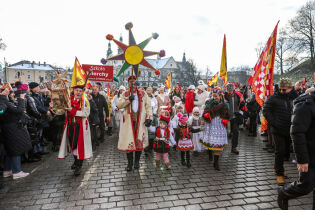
(56, 31)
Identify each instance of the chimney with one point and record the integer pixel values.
(44, 63)
(39, 63)
(33, 64)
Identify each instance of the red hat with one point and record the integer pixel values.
(132, 77)
(165, 119)
(78, 86)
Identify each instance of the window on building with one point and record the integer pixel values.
(28, 76)
(45, 77)
(149, 74)
(16, 76)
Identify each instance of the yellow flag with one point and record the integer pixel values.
(223, 68)
(168, 81)
(79, 75)
(214, 79)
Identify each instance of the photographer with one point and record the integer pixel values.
(15, 135)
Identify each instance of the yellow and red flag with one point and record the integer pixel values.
(213, 80)
(262, 77)
(223, 68)
(79, 75)
(168, 81)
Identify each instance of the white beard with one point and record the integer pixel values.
(196, 118)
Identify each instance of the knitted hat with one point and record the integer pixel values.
(182, 118)
(191, 87)
(33, 85)
(201, 87)
(164, 119)
(285, 82)
(22, 87)
(196, 109)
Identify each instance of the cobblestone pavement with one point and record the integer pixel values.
(245, 181)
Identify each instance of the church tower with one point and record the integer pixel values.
(121, 40)
(109, 51)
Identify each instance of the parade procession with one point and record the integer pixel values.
(138, 129)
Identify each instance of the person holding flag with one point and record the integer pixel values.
(76, 137)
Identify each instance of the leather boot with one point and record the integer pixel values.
(282, 201)
(188, 159)
(77, 170)
(74, 163)
(137, 159)
(216, 163)
(210, 155)
(182, 156)
(158, 163)
(130, 161)
(280, 180)
(167, 166)
(235, 151)
(314, 199)
(109, 131)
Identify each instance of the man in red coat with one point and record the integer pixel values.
(76, 137)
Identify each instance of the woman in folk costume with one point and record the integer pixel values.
(76, 136)
(137, 116)
(216, 115)
(162, 98)
(116, 111)
(183, 139)
(195, 122)
(161, 145)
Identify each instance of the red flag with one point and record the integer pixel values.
(262, 77)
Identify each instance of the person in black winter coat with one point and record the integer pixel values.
(44, 112)
(253, 109)
(15, 136)
(94, 121)
(278, 111)
(101, 106)
(303, 136)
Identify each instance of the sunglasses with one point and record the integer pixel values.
(284, 90)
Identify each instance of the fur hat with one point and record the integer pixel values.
(285, 82)
(122, 88)
(201, 87)
(191, 87)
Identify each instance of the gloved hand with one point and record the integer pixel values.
(131, 98)
(207, 115)
(147, 122)
(224, 122)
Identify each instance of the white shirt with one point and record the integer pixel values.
(135, 103)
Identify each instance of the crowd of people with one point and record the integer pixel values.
(189, 119)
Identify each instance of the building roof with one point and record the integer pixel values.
(158, 63)
(27, 65)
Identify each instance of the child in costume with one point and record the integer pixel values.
(195, 122)
(161, 145)
(183, 139)
(216, 115)
(174, 124)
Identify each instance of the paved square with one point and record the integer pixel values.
(245, 181)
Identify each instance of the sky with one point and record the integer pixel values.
(55, 31)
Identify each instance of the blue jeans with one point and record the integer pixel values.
(12, 163)
(37, 148)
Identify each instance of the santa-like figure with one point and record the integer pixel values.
(201, 97)
(137, 116)
(162, 98)
(76, 137)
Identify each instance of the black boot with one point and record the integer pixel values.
(282, 201)
(130, 161)
(188, 159)
(74, 163)
(314, 199)
(182, 156)
(216, 163)
(77, 170)
(210, 155)
(137, 159)
(109, 131)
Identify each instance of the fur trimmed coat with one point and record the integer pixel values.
(134, 138)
